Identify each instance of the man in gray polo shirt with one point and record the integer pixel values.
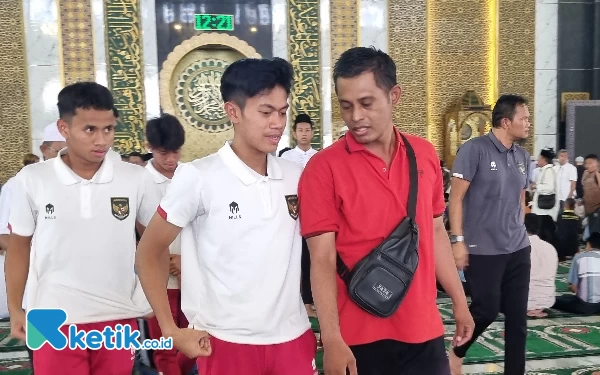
(488, 236)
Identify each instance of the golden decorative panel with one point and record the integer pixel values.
(566, 96)
(408, 47)
(516, 53)
(469, 118)
(190, 82)
(126, 72)
(77, 45)
(304, 44)
(459, 59)
(15, 134)
(344, 35)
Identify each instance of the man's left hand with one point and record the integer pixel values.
(464, 325)
(175, 265)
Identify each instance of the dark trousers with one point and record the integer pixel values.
(573, 304)
(305, 288)
(547, 231)
(389, 357)
(500, 283)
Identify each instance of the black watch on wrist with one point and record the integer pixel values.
(454, 239)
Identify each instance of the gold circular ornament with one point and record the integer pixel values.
(193, 65)
(198, 96)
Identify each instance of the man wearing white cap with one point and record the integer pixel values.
(53, 141)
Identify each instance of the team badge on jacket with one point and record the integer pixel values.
(120, 207)
(292, 204)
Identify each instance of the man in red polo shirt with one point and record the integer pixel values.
(352, 196)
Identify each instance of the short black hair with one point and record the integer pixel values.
(359, 60)
(506, 107)
(165, 132)
(135, 153)
(303, 117)
(569, 204)
(548, 154)
(532, 223)
(591, 156)
(248, 78)
(594, 240)
(84, 95)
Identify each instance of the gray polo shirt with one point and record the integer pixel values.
(492, 211)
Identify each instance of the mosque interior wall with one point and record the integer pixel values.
(441, 49)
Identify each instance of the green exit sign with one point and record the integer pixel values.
(223, 22)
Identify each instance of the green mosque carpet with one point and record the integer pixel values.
(7, 343)
(583, 370)
(445, 308)
(547, 341)
(562, 286)
(18, 366)
(563, 267)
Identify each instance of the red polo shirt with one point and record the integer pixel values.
(348, 190)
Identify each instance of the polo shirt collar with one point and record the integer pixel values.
(68, 177)
(157, 177)
(499, 144)
(247, 175)
(302, 151)
(352, 144)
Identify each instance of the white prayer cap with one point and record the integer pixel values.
(51, 133)
(579, 159)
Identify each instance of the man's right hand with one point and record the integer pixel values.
(337, 357)
(17, 325)
(191, 342)
(461, 255)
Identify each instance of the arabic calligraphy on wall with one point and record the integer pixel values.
(126, 72)
(303, 21)
(198, 95)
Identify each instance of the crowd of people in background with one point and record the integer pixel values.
(103, 235)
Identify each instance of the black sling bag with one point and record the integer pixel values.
(381, 279)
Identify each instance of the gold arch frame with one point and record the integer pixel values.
(195, 42)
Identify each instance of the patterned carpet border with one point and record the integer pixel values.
(583, 370)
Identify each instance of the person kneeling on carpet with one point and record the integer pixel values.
(544, 265)
(584, 281)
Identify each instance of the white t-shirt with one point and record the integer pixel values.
(83, 245)
(155, 189)
(565, 174)
(240, 248)
(299, 156)
(5, 198)
(544, 264)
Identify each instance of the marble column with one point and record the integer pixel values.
(99, 41)
(374, 24)
(326, 71)
(150, 56)
(43, 65)
(279, 24)
(545, 100)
